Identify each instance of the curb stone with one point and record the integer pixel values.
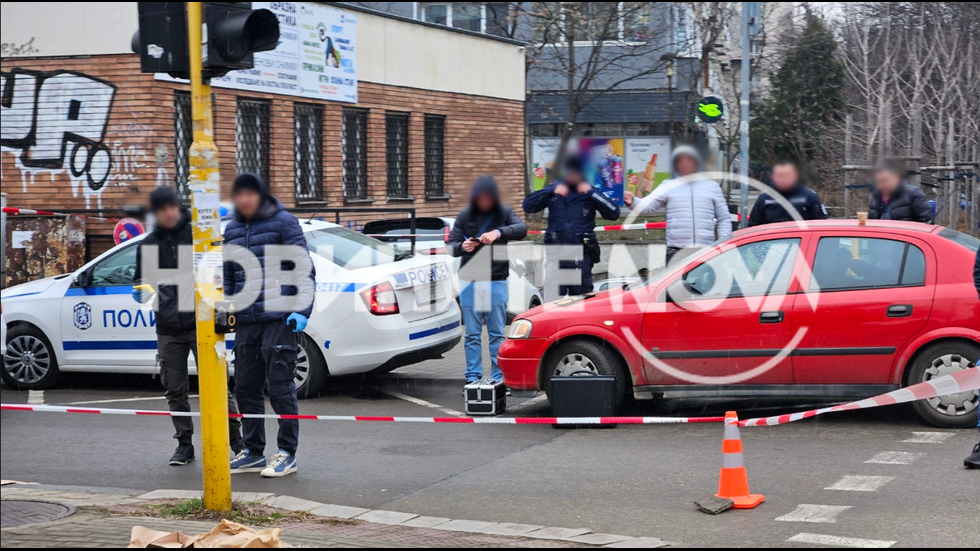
(390, 518)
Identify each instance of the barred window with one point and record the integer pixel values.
(308, 120)
(435, 145)
(355, 153)
(396, 153)
(183, 138)
(253, 137)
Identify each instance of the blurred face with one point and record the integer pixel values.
(168, 216)
(784, 176)
(485, 202)
(573, 178)
(685, 166)
(887, 182)
(247, 202)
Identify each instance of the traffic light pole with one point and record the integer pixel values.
(205, 203)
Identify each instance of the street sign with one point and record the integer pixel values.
(711, 109)
(127, 229)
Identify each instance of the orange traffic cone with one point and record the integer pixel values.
(734, 484)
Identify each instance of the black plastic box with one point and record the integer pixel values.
(583, 396)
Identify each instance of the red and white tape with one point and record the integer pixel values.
(31, 212)
(620, 227)
(598, 229)
(966, 380)
(443, 420)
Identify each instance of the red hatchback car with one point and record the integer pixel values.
(836, 310)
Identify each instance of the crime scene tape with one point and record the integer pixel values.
(598, 229)
(444, 420)
(966, 380)
(15, 211)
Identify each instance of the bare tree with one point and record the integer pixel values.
(586, 50)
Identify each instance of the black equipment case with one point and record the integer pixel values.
(487, 397)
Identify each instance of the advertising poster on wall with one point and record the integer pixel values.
(604, 166)
(544, 151)
(316, 56)
(647, 164)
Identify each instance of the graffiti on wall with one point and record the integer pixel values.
(56, 123)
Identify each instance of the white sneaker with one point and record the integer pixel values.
(282, 465)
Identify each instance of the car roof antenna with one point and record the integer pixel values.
(316, 212)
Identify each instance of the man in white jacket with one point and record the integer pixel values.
(697, 213)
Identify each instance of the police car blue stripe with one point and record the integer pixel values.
(89, 291)
(23, 295)
(108, 345)
(434, 331)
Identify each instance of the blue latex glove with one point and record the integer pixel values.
(300, 322)
(141, 296)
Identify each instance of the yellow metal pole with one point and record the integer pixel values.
(205, 186)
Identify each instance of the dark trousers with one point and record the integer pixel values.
(173, 352)
(585, 266)
(674, 253)
(265, 359)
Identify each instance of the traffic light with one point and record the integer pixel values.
(233, 32)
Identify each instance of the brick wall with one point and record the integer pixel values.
(94, 133)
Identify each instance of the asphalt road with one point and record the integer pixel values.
(631, 480)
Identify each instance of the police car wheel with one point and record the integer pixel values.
(311, 369)
(938, 360)
(578, 356)
(29, 363)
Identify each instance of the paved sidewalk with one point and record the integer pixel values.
(101, 518)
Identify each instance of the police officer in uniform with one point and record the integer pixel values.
(786, 183)
(572, 205)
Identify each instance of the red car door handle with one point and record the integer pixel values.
(772, 317)
(900, 311)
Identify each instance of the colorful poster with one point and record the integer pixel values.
(604, 166)
(316, 56)
(647, 164)
(544, 151)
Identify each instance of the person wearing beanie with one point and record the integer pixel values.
(572, 205)
(276, 299)
(171, 244)
(479, 238)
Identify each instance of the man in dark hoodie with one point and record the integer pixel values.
(572, 205)
(171, 241)
(479, 237)
(274, 300)
(893, 199)
(786, 183)
(973, 462)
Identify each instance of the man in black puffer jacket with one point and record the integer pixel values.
(480, 236)
(274, 301)
(172, 243)
(893, 199)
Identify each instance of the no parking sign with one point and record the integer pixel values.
(127, 229)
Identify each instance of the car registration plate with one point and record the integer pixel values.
(429, 295)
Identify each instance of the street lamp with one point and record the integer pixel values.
(669, 58)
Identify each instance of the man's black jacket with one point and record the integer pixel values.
(909, 203)
(170, 320)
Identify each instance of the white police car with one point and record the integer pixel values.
(376, 309)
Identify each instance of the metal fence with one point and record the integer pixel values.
(252, 137)
(309, 152)
(355, 124)
(435, 146)
(396, 153)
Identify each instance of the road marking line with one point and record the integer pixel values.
(35, 397)
(532, 402)
(928, 438)
(860, 483)
(122, 400)
(838, 541)
(823, 514)
(423, 403)
(895, 458)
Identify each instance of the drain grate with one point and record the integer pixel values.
(18, 513)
